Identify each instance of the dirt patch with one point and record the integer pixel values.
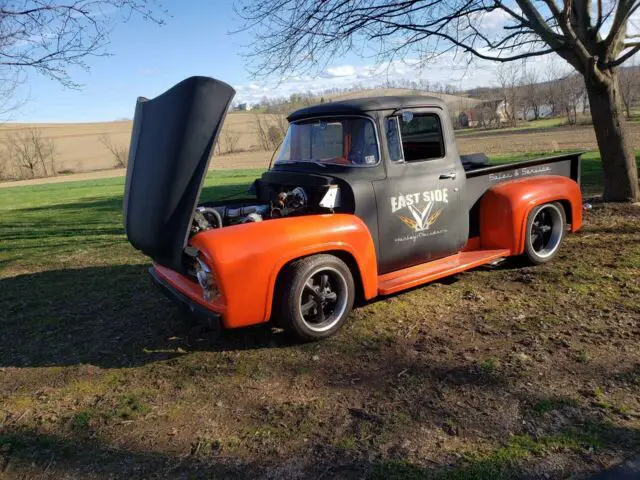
(502, 372)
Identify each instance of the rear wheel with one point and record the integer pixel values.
(546, 226)
(316, 296)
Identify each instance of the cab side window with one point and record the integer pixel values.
(421, 137)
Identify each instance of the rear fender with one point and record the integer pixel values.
(505, 207)
(246, 259)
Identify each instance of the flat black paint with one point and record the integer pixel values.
(173, 136)
(171, 142)
(367, 191)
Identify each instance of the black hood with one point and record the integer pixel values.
(171, 142)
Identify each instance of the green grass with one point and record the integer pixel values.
(57, 224)
(53, 224)
(101, 376)
(505, 462)
(554, 403)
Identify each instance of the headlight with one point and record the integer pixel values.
(206, 280)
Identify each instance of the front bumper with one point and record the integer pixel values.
(207, 317)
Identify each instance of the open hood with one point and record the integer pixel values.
(171, 142)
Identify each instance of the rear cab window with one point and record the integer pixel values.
(416, 139)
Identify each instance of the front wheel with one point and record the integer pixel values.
(546, 226)
(316, 296)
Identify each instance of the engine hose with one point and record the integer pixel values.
(215, 213)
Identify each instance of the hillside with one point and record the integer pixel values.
(79, 148)
(455, 103)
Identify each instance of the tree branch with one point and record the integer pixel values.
(623, 58)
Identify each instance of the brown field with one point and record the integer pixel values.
(553, 139)
(80, 151)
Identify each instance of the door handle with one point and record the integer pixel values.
(450, 176)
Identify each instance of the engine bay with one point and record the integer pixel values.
(282, 202)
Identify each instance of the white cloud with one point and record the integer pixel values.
(341, 71)
(445, 69)
(495, 19)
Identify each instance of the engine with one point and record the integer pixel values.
(284, 203)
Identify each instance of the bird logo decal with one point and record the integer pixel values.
(425, 208)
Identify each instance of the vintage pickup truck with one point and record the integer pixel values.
(366, 197)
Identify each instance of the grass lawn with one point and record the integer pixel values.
(498, 373)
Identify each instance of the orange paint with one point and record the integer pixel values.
(190, 288)
(504, 209)
(246, 259)
(428, 272)
(473, 243)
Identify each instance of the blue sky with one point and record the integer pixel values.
(146, 59)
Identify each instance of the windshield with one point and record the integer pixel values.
(340, 141)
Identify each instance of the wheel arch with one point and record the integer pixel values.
(568, 211)
(248, 259)
(504, 209)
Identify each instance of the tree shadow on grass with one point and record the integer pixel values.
(106, 316)
(34, 454)
(29, 453)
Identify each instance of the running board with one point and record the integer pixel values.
(428, 272)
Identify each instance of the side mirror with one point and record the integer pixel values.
(407, 116)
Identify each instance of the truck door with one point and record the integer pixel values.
(420, 212)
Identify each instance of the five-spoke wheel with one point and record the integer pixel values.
(316, 296)
(546, 227)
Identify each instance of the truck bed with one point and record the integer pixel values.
(480, 179)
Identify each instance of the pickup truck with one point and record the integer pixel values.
(366, 197)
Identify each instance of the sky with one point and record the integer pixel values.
(146, 59)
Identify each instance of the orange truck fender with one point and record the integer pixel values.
(505, 207)
(246, 259)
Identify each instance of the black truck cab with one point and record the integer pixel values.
(401, 174)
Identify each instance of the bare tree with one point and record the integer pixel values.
(630, 86)
(271, 130)
(551, 90)
(532, 97)
(230, 139)
(51, 37)
(263, 136)
(486, 114)
(571, 92)
(30, 154)
(296, 36)
(119, 152)
(509, 78)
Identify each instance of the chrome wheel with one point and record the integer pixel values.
(323, 299)
(546, 232)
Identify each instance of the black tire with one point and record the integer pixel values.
(316, 295)
(546, 228)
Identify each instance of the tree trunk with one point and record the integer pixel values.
(618, 158)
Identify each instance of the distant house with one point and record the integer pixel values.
(483, 114)
(242, 107)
